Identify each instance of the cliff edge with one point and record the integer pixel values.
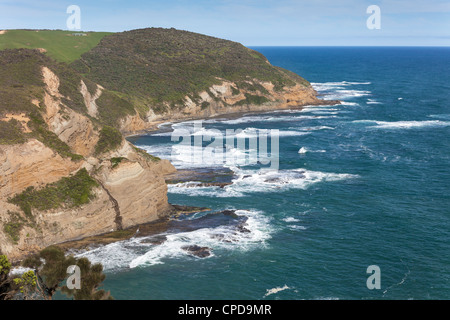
(63, 174)
(66, 171)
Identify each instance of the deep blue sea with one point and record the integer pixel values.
(362, 183)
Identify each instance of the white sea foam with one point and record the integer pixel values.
(164, 124)
(189, 153)
(271, 180)
(251, 181)
(343, 94)
(276, 290)
(290, 219)
(138, 251)
(313, 128)
(349, 103)
(254, 132)
(335, 85)
(219, 238)
(404, 124)
(269, 117)
(304, 150)
(373, 101)
(318, 109)
(444, 116)
(296, 227)
(162, 134)
(19, 270)
(340, 90)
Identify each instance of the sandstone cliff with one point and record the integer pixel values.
(221, 99)
(129, 192)
(61, 130)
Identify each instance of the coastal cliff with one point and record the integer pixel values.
(173, 75)
(57, 182)
(66, 170)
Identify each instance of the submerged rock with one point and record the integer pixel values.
(201, 252)
(156, 240)
(242, 229)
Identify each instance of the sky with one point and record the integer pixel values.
(251, 22)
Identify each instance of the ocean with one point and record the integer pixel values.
(359, 184)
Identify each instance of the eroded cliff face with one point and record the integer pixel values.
(129, 193)
(131, 187)
(226, 98)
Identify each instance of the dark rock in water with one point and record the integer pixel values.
(178, 210)
(220, 237)
(201, 252)
(241, 228)
(202, 177)
(273, 180)
(213, 184)
(231, 213)
(158, 239)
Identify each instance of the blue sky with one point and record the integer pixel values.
(251, 22)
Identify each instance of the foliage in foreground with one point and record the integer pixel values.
(47, 275)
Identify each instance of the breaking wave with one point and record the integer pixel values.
(251, 233)
(404, 124)
(255, 181)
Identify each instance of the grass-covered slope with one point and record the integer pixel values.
(21, 83)
(64, 46)
(164, 65)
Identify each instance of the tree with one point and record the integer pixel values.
(48, 270)
(91, 278)
(5, 285)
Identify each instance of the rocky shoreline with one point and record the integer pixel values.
(155, 233)
(153, 126)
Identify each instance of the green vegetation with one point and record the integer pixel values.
(12, 229)
(61, 45)
(27, 283)
(253, 99)
(16, 223)
(235, 91)
(5, 265)
(252, 87)
(150, 66)
(10, 132)
(112, 108)
(146, 155)
(48, 274)
(49, 138)
(116, 161)
(72, 191)
(110, 139)
(204, 105)
(21, 82)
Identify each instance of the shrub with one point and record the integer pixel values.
(12, 229)
(72, 191)
(11, 133)
(116, 161)
(110, 139)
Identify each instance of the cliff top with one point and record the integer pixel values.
(155, 65)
